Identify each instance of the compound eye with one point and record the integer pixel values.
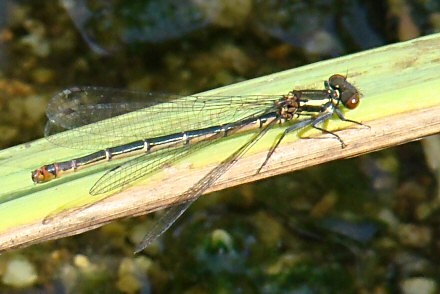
(337, 81)
(352, 102)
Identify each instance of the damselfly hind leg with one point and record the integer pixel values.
(323, 118)
(296, 126)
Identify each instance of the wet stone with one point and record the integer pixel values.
(19, 273)
(419, 286)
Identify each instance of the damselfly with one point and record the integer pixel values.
(162, 129)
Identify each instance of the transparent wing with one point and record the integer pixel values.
(79, 106)
(192, 194)
(134, 169)
(102, 117)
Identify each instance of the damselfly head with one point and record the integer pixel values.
(348, 94)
